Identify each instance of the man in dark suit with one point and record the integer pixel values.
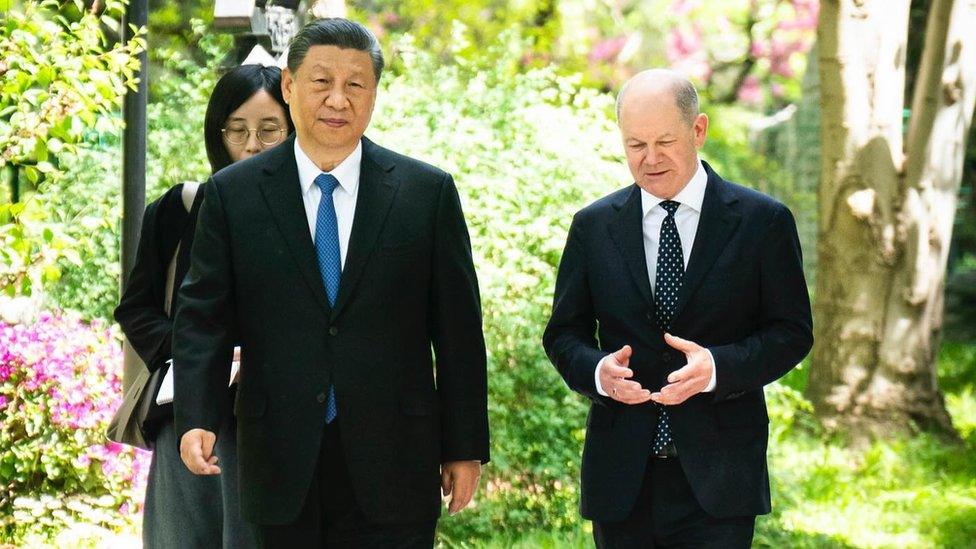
(678, 298)
(338, 266)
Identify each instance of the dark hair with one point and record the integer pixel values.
(233, 90)
(335, 31)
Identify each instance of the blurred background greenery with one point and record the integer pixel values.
(514, 97)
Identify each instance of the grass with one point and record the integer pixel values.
(912, 492)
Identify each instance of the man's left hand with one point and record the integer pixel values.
(459, 479)
(690, 379)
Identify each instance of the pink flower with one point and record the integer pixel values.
(683, 7)
(607, 50)
(750, 92)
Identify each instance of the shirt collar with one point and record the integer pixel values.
(347, 172)
(692, 195)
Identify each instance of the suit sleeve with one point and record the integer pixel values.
(785, 332)
(457, 336)
(570, 337)
(140, 313)
(205, 323)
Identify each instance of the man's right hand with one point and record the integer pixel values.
(615, 374)
(197, 452)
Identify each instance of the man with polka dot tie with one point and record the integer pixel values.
(678, 298)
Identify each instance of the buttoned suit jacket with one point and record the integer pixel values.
(408, 292)
(743, 296)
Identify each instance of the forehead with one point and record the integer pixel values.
(334, 58)
(650, 114)
(259, 104)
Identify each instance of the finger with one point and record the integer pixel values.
(461, 497)
(207, 445)
(446, 481)
(682, 373)
(640, 398)
(673, 394)
(618, 371)
(624, 386)
(623, 355)
(632, 392)
(682, 345)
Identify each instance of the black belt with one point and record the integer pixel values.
(668, 452)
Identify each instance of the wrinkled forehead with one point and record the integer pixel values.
(651, 120)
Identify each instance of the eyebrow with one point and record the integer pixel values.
(265, 119)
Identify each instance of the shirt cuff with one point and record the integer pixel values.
(711, 383)
(596, 378)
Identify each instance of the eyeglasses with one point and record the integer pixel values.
(268, 134)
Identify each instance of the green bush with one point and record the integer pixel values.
(61, 76)
(59, 386)
(88, 200)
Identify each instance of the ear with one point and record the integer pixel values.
(286, 83)
(701, 129)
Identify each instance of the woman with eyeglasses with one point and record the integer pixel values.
(246, 114)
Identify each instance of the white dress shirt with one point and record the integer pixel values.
(686, 218)
(344, 196)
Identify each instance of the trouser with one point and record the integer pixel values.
(331, 518)
(667, 514)
(184, 510)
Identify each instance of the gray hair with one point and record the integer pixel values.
(338, 32)
(685, 94)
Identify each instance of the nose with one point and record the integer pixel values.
(336, 99)
(253, 145)
(651, 156)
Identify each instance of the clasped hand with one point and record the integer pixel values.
(683, 383)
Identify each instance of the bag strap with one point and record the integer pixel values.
(181, 256)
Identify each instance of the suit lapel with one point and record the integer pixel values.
(376, 191)
(283, 195)
(627, 232)
(716, 225)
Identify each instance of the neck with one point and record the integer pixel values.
(326, 158)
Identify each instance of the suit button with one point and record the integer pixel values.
(320, 398)
(333, 330)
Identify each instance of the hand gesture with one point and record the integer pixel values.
(615, 374)
(197, 452)
(690, 379)
(459, 479)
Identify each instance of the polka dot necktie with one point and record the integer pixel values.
(330, 262)
(667, 282)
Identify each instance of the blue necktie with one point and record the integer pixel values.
(330, 262)
(670, 269)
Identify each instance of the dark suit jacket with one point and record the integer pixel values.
(743, 296)
(408, 287)
(142, 309)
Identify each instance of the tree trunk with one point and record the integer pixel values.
(886, 211)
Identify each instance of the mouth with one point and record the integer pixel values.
(334, 122)
(656, 174)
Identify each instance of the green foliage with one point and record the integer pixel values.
(60, 77)
(88, 202)
(458, 30)
(527, 152)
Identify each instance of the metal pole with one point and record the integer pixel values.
(134, 145)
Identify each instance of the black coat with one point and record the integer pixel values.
(141, 312)
(408, 292)
(743, 296)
